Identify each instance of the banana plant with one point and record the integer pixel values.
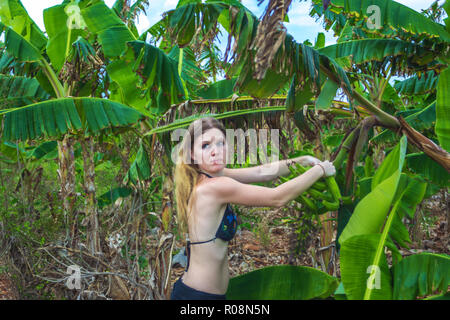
(394, 55)
(376, 223)
(316, 71)
(84, 38)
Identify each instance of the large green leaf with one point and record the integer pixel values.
(416, 85)
(394, 16)
(410, 192)
(140, 169)
(191, 74)
(420, 119)
(411, 189)
(18, 46)
(366, 50)
(182, 123)
(422, 164)
(327, 95)
(46, 150)
(55, 117)
(57, 22)
(20, 91)
(218, 90)
(359, 267)
(112, 32)
(421, 274)
(282, 283)
(147, 77)
(443, 110)
(371, 211)
(186, 19)
(392, 163)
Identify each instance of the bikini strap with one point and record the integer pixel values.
(205, 174)
(188, 250)
(199, 242)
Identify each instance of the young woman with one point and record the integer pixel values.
(204, 187)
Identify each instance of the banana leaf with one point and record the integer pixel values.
(186, 18)
(218, 90)
(282, 283)
(419, 119)
(46, 150)
(147, 77)
(443, 110)
(55, 117)
(366, 50)
(192, 75)
(370, 213)
(420, 275)
(56, 24)
(394, 16)
(422, 164)
(112, 32)
(16, 91)
(182, 123)
(8, 152)
(18, 47)
(362, 271)
(327, 95)
(140, 169)
(415, 85)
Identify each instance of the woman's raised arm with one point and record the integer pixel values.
(268, 171)
(227, 190)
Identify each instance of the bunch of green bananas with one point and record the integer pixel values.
(324, 196)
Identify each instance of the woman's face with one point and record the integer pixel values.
(210, 151)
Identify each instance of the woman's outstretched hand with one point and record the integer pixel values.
(328, 168)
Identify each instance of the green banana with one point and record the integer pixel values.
(284, 179)
(333, 188)
(300, 168)
(307, 202)
(331, 206)
(318, 195)
(347, 200)
(319, 185)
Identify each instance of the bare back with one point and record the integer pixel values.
(208, 268)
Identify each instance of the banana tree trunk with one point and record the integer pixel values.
(66, 174)
(326, 239)
(92, 230)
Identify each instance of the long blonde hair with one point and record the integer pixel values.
(187, 173)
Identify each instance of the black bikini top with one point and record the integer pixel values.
(227, 228)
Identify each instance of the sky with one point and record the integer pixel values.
(301, 26)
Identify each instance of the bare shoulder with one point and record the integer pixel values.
(216, 186)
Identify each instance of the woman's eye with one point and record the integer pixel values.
(204, 145)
